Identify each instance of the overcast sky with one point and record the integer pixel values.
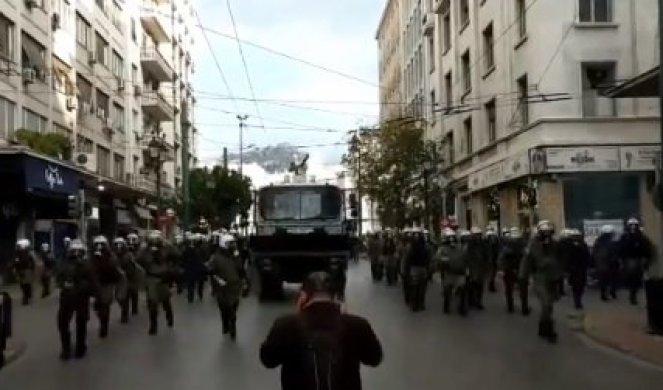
(337, 34)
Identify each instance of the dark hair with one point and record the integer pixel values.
(319, 282)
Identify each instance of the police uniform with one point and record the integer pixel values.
(108, 275)
(24, 266)
(509, 262)
(225, 269)
(453, 271)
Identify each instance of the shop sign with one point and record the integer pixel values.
(46, 176)
(516, 166)
(576, 159)
(592, 228)
(639, 157)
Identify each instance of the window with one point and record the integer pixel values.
(84, 145)
(449, 148)
(134, 75)
(7, 124)
(433, 105)
(595, 78)
(467, 133)
(103, 161)
(33, 54)
(134, 36)
(488, 47)
(84, 88)
(467, 75)
(521, 14)
(6, 38)
(117, 65)
(431, 54)
(83, 31)
(448, 90)
(101, 49)
(491, 122)
(135, 122)
(102, 104)
(118, 167)
(595, 10)
(102, 5)
(118, 117)
(523, 102)
(33, 121)
(446, 31)
(116, 16)
(61, 77)
(464, 13)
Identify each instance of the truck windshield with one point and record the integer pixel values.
(300, 203)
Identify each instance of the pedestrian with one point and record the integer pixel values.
(225, 268)
(509, 262)
(160, 269)
(417, 267)
(541, 261)
(575, 256)
(492, 242)
(108, 275)
(636, 254)
(24, 268)
(131, 281)
(476, 256)
(453, 272)
(46, 265)
(320, 347)
(76, 281)
(606, 260)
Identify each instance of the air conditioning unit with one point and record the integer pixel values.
(121, 85)
(92, 57)
(88, 161)
(72, 103)
(29, 76)
(138, 90)
(55, 21)
(30, 4)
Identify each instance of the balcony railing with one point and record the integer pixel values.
(153, 61)
(157, 106)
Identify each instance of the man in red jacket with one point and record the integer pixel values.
(320, 347)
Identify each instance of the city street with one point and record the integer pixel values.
(427, 350)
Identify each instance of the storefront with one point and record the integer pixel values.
(34, 200)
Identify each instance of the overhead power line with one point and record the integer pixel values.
(246, 67)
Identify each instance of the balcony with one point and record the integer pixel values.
(156, 106)
(157, 66)
(154, 22)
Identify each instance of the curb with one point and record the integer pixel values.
(586, 329)
(12, 354)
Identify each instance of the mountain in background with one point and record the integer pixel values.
(273, 158)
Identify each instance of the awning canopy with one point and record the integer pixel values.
(641, 86)
(33, 53)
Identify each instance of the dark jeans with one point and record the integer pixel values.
(228, 317)
(475, 293)
(460, 293)
(45, 286)
(153, 309)
(195, 286)
(130, 302)
(608, 283)
(26, 290)
(578, 283)
(103, 313)
(70, 307)
(633, 282)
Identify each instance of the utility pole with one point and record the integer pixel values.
(186, 195)
(225, 159)
(242, 119)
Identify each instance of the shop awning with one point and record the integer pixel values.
(41, 175)
(641, 86)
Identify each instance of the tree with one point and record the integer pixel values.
(50, 144)
(219, 195)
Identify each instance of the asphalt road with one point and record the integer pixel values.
(428, 350)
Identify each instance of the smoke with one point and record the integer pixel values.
(316, 167)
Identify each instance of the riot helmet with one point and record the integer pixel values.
(100, 245)
(23, 244)
(119, 244)
(633, 225)
(76, 250)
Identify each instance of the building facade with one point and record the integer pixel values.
(112, 76)
(390, 64)
(516, 104)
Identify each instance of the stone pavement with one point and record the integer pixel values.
(623, 327)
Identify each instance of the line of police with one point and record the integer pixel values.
(470, 261)
(106, 274)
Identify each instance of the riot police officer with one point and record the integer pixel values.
(417, 268)
(159, 267)
(492, 243)
(476, 256)
(389, 258)
(76, 281)
(509, 262)
(24, 268)
(453, 271)
(128, 290)
(47, 264)
(542, 262)
(133, 242)
(108, 275)
(606, 259)
(194, 258)
(575, 256)
(225, 268)
(636, 253)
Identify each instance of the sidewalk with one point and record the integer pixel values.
(621, 326)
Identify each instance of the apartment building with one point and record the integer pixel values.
(390, 66)
(114, 77)
(520, 115)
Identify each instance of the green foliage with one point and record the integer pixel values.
(219, 195)
(50, 144)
